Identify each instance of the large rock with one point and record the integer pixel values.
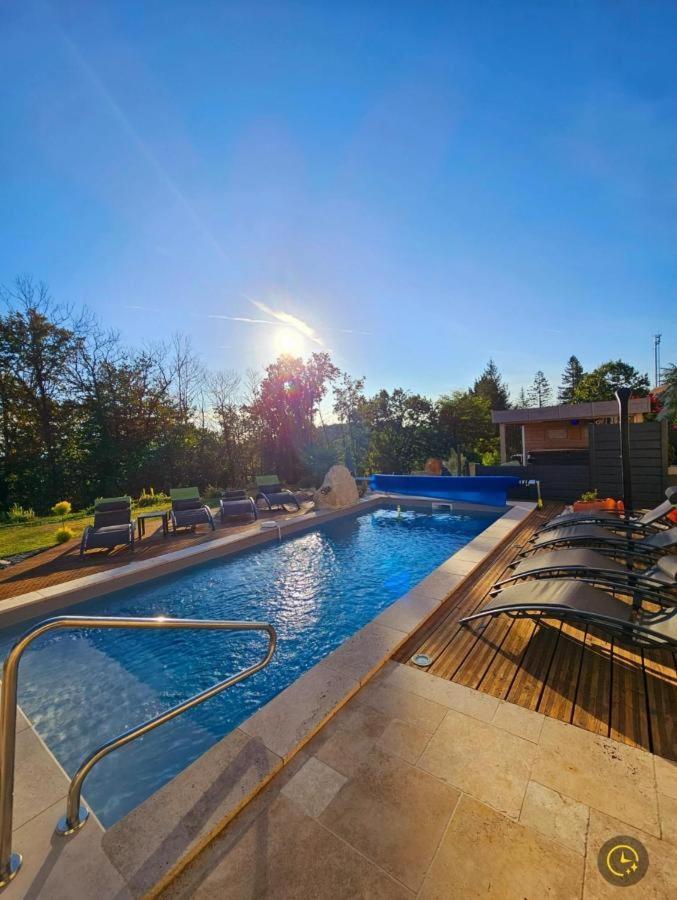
(338, 490)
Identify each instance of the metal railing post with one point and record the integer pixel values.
(76, 815)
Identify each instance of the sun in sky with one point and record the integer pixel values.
(288, 341)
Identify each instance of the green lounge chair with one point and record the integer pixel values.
(273, 494)
(188, 510)
(112, 525)
(567, 600)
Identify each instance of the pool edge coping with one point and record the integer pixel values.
(304, 707)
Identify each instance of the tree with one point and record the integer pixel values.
(522, 400)
(669, 379)
(573, 372)
(286, 404)
(492, 388)
(540, 392)
(404, 431)
(349, 403)
(465, 424)
(603, 382)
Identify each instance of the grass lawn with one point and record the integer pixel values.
(38, 534)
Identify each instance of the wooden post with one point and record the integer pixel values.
(501, 438)
(623, 397)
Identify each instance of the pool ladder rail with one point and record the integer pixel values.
(76, 813)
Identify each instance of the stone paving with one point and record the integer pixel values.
(420, 787)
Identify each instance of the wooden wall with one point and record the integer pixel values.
(555, 436)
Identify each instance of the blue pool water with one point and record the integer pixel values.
(318, 588)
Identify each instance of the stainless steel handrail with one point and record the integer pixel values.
(76, 815)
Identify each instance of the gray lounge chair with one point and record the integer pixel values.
(594, 536)
(273, 494)
(112, 525)
(188, 510)
(615, 521)
(237, 503)
(567, 600)
(593, 567)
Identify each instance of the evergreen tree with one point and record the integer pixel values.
(572, 374)
(522, 399)
(540, 392)
(491, 387)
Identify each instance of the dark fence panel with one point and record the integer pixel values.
(648, 461)
(648, 467)
(558, 482)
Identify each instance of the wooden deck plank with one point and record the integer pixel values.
(568, 672)
(559, 691)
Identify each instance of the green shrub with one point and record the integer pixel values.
(62, 508)
(17, 513)
(212, 492)
(150, 498)
(63, 534)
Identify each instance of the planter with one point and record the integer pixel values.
(608, 505)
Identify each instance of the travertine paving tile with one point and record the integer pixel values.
(667, 811)
(365, 651)
(614, 778)
(666, 776)
(660, 881)
(520, 721)
(556, 816)
(314, 786)
(408, 612)
(38, 782)
(484, 854)
(446, 693)
(343, 749)
(63, 868)
(285, 855)
(394, 814)
(480, 760)
(404, 741)
(288, 719)
(403, 705)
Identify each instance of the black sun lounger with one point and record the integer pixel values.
(617, 522)
(273, 494)
(567, 600)
(188, 510)
(598, 538)
(112, 525)
(237, 503)
(593, 567)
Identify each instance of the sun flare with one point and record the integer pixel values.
(289, 342)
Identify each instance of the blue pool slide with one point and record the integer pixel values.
(489, 489)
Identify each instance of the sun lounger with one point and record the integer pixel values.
(618, 522)
(594, 536)
(593, 567)
(273, 494)
(567, 600)
(188, 510)
(237, 503)
(112, 525)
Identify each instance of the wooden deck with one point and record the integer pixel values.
(567, 672)
(64, 563)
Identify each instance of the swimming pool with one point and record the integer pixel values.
(317, 588)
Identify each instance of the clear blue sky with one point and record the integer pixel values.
(458, 180)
